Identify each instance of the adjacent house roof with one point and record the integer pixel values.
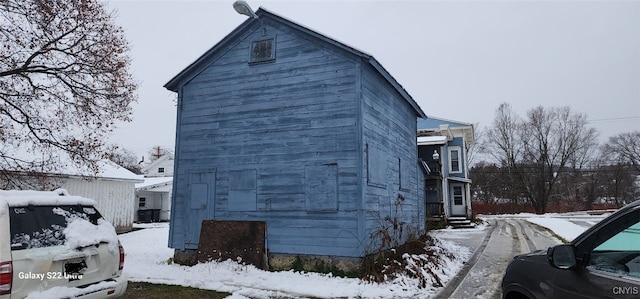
(111, 170)
(444, 127)
(435, 122)
(107, 169)
(155, 183)
(156, 162)
(203, 62)
(432, 140)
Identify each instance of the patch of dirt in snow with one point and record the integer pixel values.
(426, 263)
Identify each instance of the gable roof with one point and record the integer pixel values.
(159, 161)
(203, 61)
(107, 170)
(111, 170)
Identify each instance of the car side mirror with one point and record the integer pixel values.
(562, 256)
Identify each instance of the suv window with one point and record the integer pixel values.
(619, 254)
(43, 226)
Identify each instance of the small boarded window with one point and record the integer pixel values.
(376, 167)
(263, 51)
(322, 188)
(242, 190)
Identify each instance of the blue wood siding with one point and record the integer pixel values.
(317, 143)
(275, 133)
(459, 142)
(322, 188)
(389, 135)
(200, 191)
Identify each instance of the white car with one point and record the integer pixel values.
(54, 245)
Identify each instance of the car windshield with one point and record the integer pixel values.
(43, 226)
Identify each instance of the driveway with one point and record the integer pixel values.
(493, 248)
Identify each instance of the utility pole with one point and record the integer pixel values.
(156, 152)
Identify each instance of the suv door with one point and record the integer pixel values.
(608, 262)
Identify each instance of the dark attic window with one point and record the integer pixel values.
(263, 51)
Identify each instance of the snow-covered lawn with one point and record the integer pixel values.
(148, 260)
(567, 226)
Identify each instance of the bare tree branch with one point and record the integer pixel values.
(64, 83)
(539, 150)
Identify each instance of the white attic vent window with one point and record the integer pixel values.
(263, 51)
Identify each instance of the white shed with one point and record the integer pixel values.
(114, 190)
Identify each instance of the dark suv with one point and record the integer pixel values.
(603, 262)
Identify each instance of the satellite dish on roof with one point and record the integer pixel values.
(243, 8)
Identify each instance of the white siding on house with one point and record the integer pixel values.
(155, 200)
(163, 167)
(115, 198)
(157, 196)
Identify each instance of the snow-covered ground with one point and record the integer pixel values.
(568, 225)
(148, 259)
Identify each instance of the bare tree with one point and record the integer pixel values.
(622, 155)
(540, 149)
(553, 138)
(624, 148)
(64, 83)
(502, 143)
(124, 158)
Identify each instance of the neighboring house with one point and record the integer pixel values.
(161, 167)
(112, 188)
(153, 199)
(280, 124)
(153, 196)
(443, 147)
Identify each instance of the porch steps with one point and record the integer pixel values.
(460, 222)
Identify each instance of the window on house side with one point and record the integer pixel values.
(142, 203)
(160, 169)
(262, 51)
(454, 160)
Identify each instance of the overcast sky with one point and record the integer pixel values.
(458, 59)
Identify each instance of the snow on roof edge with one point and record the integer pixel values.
(427, 140)
(152, 182)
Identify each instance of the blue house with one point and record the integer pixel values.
(443, 150)
(280, 124)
